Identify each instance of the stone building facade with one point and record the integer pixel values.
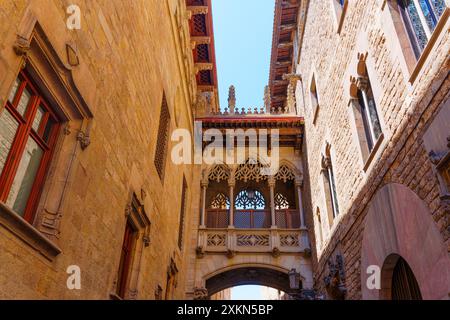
(376, 108)
(358, 89)
(110, 85)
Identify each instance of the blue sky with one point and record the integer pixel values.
(243, 41)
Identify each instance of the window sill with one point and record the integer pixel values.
(27, 233)
(373, 152)
(431, 43)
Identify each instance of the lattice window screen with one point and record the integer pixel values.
(163, 138)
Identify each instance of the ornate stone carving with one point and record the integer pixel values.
(253, 240)
(232, 99)
(219, 173)
(201, 294)
(72, 55)
(21, 46)
(199, 252)
(335, 281)
(216, 239)
(84, 140)
(231, 254)
(267, 99)
(250, 170)
(285, 174)
(276, 252)
(289, 240)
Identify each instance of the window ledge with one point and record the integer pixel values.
(428, 49)
(27, 233)
(373, 152)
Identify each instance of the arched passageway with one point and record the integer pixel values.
(249, 276)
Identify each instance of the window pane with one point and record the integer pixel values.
(23, 102)
(429, 17)
(14, 89)
(439, 7)
(48, 129)
(416, 24)
(25, 176)
(38, 118)
(8, 129)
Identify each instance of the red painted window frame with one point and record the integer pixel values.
(23, 132)
(126, 258)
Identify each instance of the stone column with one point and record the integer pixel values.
(272, 200)
(203, 216)
(299, 186)
(231, 185)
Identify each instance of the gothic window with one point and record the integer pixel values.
(182, 213)
(367, 120)
(220, 202)
(250, 199)
(126, 258)
(281, 202)
(369, 114)
(330, 186)
(420, 18)
(28, 131)
(163, 138)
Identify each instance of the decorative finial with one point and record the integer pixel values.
(232, 98)
(267, 99)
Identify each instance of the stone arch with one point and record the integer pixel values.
(248, 274)
(399, 222)
(213, 170)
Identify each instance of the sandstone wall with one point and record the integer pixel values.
(129, 54)
(405, 109)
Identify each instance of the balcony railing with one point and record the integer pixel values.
(217, 219)
(287, 219)
(252, 219)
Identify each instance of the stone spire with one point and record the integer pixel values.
(231, 99)
(267, 99)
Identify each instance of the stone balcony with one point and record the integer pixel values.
(272, 241)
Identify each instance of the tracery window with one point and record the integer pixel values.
(420, 18)
(250, 199)
(281, 202)
(220, 202)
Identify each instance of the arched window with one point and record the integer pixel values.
(250, 199)
(369, 113)
(220, 201)
(281, 202)
(420, 18)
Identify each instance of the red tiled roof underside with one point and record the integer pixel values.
(284, 31)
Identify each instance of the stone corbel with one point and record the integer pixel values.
(199, 252)
(84, 140)
(201, 294)
(21, 46)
